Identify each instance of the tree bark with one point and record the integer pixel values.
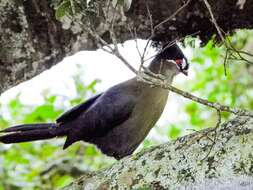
(204, 160)
(32, 40)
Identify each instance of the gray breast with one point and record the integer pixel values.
(123, 139)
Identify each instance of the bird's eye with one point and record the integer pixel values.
(179, 62)
(182, 64)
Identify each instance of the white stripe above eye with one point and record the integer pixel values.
(171, 60)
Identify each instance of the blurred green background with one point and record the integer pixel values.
(44, 165)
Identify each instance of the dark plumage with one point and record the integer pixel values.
(117, 120)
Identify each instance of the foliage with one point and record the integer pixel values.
(230, 83)
(44, 165)
(70, 8)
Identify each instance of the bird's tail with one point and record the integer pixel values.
(32, 132)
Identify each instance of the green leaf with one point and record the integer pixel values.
(42, 113)
(62, 181)
(174, 132)
(90, 151)
(63, 9)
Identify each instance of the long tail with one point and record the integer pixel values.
(32, 132)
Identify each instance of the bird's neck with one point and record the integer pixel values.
(156, 66)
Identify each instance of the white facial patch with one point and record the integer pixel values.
(184, 64)
(172, 61)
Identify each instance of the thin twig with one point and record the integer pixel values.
(225, 61)
(239, 52)
(149, 39)
(173, 15)
(136, 42)
(228, 45)
(161, 83)
(113, 51)
(215, 135)
(171, 43)
(208, 6)
(150, 18)
(152, 29)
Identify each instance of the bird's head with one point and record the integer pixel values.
(170, 61)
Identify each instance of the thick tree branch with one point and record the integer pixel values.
(184, 163)
(30, 34)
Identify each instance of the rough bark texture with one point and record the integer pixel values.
(32, 40)
(186, 163)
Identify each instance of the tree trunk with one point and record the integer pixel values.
(32, 40)
(204, 160)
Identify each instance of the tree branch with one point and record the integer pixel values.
(175, 166)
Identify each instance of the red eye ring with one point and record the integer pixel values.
(178, 61)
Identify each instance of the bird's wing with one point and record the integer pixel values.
(110, 110)
(77, 110)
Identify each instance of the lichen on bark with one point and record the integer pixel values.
(186, 163)
(32, 40)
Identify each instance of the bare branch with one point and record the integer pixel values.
(228, 45)
(152, 31)
(208, 6)
(215, 135)
(238, 52)
(225, 61)
(173, 42)
(173, 15)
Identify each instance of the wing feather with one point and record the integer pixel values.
(109, 111)
(77, 110)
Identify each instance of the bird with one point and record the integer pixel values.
(117, 120)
